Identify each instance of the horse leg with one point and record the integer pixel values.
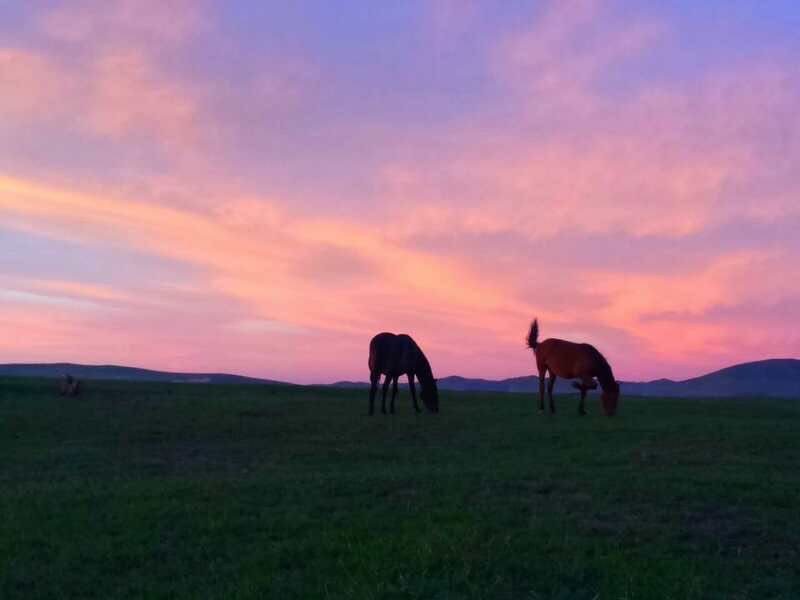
(550, 385)
(386, 383)
(394, 394)
(374, 378)
(413, 389)
(542, 373)
(584, 386)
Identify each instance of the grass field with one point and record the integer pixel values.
(182, 491)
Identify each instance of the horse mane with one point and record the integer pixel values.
(604, 373)
(533, 335)
(424, 371)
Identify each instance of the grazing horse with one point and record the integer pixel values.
(394, 355)
(573, 361)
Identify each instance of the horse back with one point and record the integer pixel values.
(379, 347)
(567, 359)
(392, 354)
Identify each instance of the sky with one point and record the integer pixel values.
(260, 187)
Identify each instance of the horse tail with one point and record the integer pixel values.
(533, 335)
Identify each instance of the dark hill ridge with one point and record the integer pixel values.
(120, 373)
(774, 377)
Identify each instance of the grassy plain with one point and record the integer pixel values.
(138, 490)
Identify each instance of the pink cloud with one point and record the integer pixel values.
(127, 81)
(131, 97)
(165, 22)
(121, 94)
(559, 58)
(30, 83)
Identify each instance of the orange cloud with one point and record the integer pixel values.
(266, 272)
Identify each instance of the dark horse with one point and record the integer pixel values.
(573, 361)
(394, 355)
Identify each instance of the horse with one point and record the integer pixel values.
(395, 355)
(573, 361)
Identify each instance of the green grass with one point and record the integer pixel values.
(181, 491)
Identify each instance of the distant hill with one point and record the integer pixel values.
(120, 373)
(774, 377)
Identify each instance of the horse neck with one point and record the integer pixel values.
(424, 372)
(604, 375)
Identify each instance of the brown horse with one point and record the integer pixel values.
(394, 355)
(573, 361)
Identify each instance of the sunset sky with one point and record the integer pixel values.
(259, 187)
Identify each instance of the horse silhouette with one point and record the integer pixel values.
(395, 355)
(570, 360)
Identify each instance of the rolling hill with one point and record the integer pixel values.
(115, 372)
(774, 377)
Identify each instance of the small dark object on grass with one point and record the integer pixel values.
(69, 386)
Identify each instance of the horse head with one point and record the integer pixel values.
(610, 398)
(430, 396)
